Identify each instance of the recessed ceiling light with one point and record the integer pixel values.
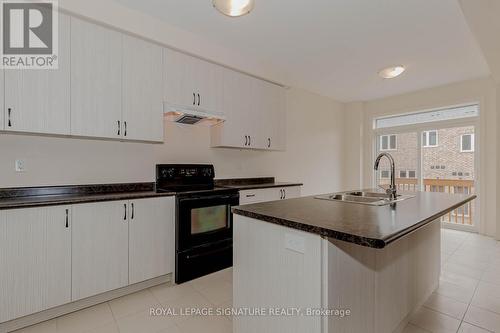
(234, 7)
(391, 72)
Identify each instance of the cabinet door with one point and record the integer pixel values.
(206, 85)
(96, 80)
(287, 192)
(38, 101)
(99, 248)
(178, 79)
(142, 90)
(237, 129)
(35, 260)
(151, 238)
(273, 116)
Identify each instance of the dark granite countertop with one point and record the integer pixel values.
(371, 226)
(253, 183)
(25, 197)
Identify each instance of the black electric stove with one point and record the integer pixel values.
(204, 223)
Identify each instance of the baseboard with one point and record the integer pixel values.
(61, 310)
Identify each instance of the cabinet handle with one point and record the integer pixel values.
(67, 218)
(249, 140)
(9, 111)
(250, 195)
(268, 142)
(194, 99)
(132, 214)
(281, 194)
(246, 140)
(125, 210)
(125, 131)
(199, 99)
(119, 127)
(284, 194)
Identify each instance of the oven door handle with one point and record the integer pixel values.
(194, 256)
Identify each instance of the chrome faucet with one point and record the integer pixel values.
(392, 188)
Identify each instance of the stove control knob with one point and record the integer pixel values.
(207, 172)
(167, 173)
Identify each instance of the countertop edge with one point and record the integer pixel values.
(356, 239)
(351, 238)
(84, 199)
(262, 186)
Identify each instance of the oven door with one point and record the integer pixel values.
(204, 219)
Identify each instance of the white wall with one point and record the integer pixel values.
(482, 91)
(313, 156)
(497, 101)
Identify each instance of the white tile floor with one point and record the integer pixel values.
(468, 299)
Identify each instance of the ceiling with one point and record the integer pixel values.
(336, 47)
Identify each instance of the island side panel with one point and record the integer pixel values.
(350, 286)
(382, 287)
(267, 274)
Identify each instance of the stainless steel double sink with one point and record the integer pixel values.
(364, 197)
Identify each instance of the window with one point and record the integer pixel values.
(407, 174)
(428, 116)
(467, 143)
(388, 142)
(429, 139)
(384, 174)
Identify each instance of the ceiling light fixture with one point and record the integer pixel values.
(234, 8)
(391, 72)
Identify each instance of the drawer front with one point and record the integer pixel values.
(269, 194)
(255, 196)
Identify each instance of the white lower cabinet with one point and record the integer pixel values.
(269, 194)
(151, 241)
(35, 260)
(99, 248)
(54, 255)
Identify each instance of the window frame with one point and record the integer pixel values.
(472, 135)
(427, 136)
(388, 142)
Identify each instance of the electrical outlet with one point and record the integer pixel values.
(20, 167)
(295, 243)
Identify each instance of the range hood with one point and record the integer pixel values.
(191, 116)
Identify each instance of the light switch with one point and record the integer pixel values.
(295, 243)
(20, 167)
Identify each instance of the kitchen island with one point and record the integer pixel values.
(314, 265)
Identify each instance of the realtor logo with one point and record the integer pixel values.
(29, 34)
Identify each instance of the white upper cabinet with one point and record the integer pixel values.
(38, 101)
(142, 90)
(255, 114)
(35, 260)
(275, 115)
(96, 80)
(151, 238)
(191, 82)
